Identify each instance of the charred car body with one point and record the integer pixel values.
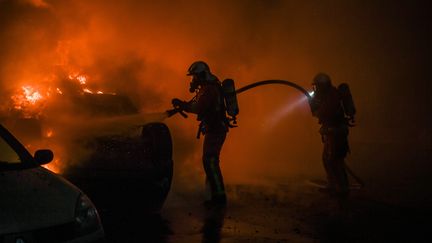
(131, 169)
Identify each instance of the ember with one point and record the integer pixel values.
(49, 133)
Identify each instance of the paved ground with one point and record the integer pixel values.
(275, 212)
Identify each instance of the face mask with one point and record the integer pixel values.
(193, 85)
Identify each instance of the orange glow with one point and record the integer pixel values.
(29, 101)
(27, 96)
(53, 166)
(82, 79)
(49, 133)
(31, 95)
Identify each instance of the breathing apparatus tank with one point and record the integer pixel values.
(347, 101)
(230, 97)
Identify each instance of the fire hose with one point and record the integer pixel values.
(274, 81)
(177, 109)
(267, 82)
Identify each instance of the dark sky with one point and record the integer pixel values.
(143, 49)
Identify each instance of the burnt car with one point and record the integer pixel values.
(123, 170)
(38, 205)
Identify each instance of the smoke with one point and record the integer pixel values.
(142, 49)
(37, 3)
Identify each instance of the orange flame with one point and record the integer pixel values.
(86, 90)
(29, 100)
(31, 94)
(49, 133)
(82, 79)
(27, 96)
(54, 166)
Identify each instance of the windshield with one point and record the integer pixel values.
(7, 154)
(13, 155)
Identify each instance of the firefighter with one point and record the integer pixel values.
(209, 106)
(327, 105)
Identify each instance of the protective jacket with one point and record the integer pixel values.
(210, 108)
(327, 107)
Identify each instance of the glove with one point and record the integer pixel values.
(177, 103)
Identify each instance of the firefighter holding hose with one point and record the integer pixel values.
(335, 111)
(209, 106)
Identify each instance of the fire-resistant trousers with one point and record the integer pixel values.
(334, 153)
(211, 149)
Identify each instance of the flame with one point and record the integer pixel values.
(31, 94)
(28, 95)
(29, 101)
(54, 166)
(49, 133)
(73, 75)
(82, 79)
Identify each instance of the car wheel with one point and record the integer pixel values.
(157, 137)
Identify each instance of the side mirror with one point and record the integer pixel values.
(43, 156)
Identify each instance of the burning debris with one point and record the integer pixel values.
(44, 113)
(28, 101)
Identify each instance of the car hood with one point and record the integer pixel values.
(34, 198)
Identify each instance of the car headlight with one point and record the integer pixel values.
(86, 216)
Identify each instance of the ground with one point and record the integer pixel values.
(292, 211)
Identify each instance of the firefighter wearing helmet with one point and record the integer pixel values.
(209, 106)
(327, 105)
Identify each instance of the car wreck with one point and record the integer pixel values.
(138, 162)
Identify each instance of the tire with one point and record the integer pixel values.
(157, 137)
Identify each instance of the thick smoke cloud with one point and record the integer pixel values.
(143, 48)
